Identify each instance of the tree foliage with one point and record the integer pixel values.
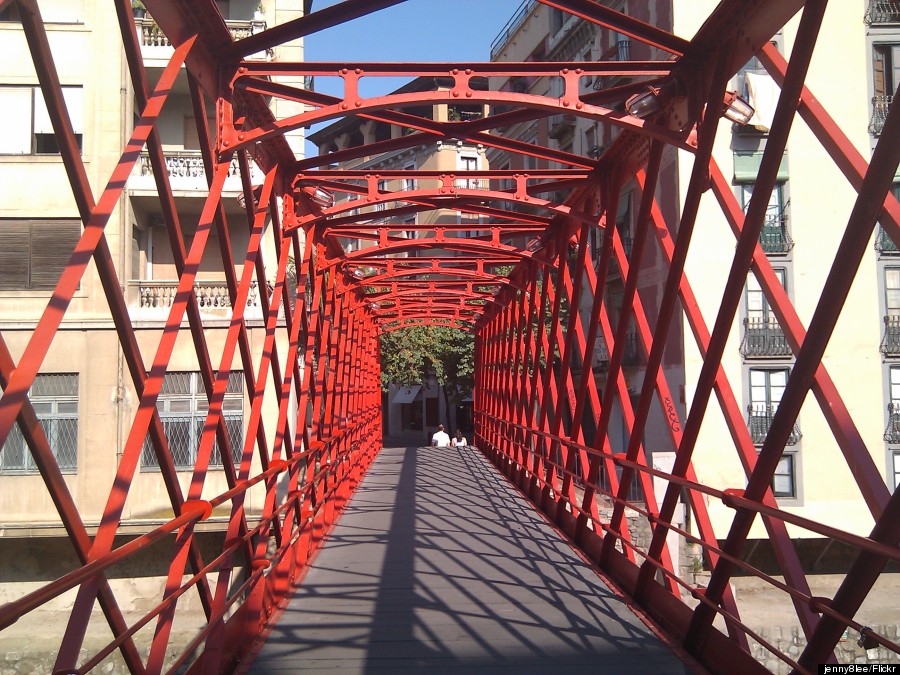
(410, 355)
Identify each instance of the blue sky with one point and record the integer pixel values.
(415, 30)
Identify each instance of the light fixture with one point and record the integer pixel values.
(318, 196)
(736, 108)
(495, 291)
(534, 244)
(867, 642)
(374, 306)
(256, 190)
(651, 100)
(359, 273)
(644, 104)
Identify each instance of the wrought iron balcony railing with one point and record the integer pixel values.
(882, 11)
(763, 338)
(759, 421)
(880, 106)
(618, 52)
(892, 431)
(884, 244)
(559, 124)
(774, 237)
(890, 342)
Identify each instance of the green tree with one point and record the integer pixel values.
(410, 355)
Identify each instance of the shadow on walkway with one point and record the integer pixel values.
(438, 564)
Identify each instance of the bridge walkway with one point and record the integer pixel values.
(439, 565)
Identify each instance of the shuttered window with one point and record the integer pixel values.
(33, 253)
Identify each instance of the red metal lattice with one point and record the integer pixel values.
(520, 277)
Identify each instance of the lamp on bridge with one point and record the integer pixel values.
(653, 98)
(318, 195)
(736, 108)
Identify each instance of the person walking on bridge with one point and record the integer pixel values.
(440, 438)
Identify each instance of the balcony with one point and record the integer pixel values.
(187, 173)
(882, 11)
(759, 421)
(892, 432)
(561, 124)
(618, 52)
(880, 106)
(774, 237)
(884, 244)
(763, 338)
(155, 45)
(890, 343)
(154, 298)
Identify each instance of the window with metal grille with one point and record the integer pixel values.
(890, 341)
(892, 431)
(763, 337)
(34, 253)
(885, 78)
(766, 389)
(54, 397)
(183, 406)
(775, 237)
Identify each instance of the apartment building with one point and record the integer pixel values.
(83, 394)
(806, 214)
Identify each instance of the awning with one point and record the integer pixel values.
(406, 394)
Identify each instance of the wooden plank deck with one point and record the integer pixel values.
(438, 565)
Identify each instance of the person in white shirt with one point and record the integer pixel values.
(440, 438)
(459, 440)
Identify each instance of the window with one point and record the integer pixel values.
(766, 388)
(409, 184)
(895, 459)
(892, 432)
(885, 78)
(890, 342)
(884, 244)
(410, 221)
(763, 336)
(183, 406)
(26, 122)
(774, 236)
(467, 163)
(34, 253)
(54, 397)
(783, 481)
(757, 305)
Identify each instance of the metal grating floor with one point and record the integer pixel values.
(438, 564)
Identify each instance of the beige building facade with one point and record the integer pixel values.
(83, 395)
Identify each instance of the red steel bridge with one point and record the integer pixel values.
(515, 284)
